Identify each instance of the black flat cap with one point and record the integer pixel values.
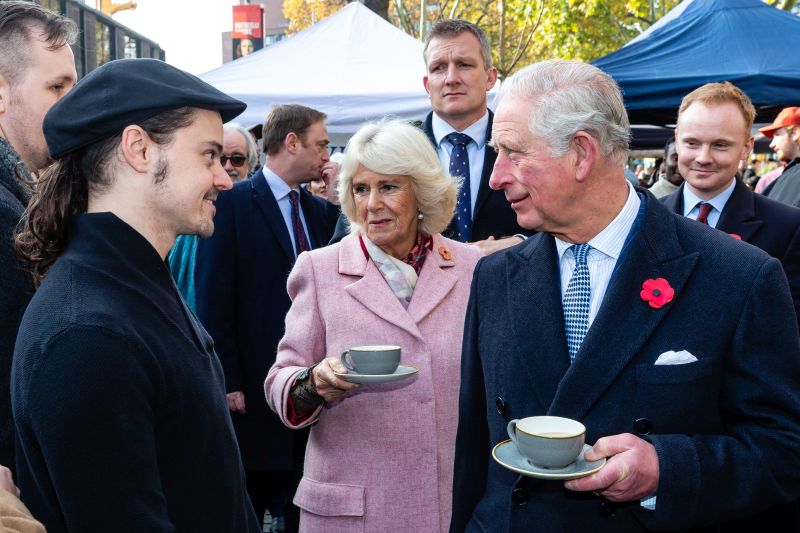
(125, 92)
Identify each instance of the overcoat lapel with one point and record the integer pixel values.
(370, 289)
(268, 205)
(610, 343)
(489, 157)
(541, 344)
(739, 214)
(435, 282)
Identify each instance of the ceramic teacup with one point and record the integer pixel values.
(548, 441)
(371, 359)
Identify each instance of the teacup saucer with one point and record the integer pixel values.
(402, 372)
(507, 455)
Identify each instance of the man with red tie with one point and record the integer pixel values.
(713, 135)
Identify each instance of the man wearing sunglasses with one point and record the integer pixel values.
(239, 152)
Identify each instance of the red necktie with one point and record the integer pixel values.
(705, 209)
(297, 225)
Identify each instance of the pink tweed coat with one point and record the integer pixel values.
(381, 459)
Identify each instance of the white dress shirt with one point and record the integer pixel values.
(475, 150)
(281, 191)
(602, 258)
(691, 209)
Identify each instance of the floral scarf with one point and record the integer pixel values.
(401, 276)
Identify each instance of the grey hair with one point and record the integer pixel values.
(396, 148)
(571, 96)
(252, 149)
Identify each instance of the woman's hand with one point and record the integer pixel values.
(7, 481)
(328, 385)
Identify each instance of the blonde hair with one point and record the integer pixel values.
(721, 93)
(396, 148)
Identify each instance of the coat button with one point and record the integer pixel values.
(519, 496)
(643, 426)
(501, 405)
(607, 509)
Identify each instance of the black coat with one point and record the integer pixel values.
(16, 287)
(240, 287)
(119, 398)
(772, 226)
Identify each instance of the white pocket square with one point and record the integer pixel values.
(675, 358)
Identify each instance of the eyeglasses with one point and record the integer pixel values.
(236, 160)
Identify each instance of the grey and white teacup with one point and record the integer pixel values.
(548, 441)
(378, 359)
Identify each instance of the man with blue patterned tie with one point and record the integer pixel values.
(262, 225)
(459, 68)
(674, 344)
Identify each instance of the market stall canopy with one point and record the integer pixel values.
(354, 66)
(747, 42)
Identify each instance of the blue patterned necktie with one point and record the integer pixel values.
(459, 166)
(577, 299)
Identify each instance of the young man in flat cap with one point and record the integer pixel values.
(118, 396)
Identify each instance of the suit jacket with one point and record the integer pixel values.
(492, 215)
(726, 427)
(772, 226)
(382, 458)
(241, 300)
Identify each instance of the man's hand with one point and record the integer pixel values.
(329, 172)
(7, 481)
(492, 245)
(328, 385)
(630, 474)
(236, 402)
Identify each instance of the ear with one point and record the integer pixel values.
(5, 93)
(425, 84)
(137, 149)
(491, 78)
(586, 152)
(291, 142)
(748, 148)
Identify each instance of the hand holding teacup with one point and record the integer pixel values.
(630, 474)
(330, 386)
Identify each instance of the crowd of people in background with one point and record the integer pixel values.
(176, 291)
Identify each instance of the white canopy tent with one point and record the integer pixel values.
(354, 66)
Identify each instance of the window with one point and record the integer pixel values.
(132, 47)
(103, 43)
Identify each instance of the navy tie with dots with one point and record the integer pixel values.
(577, 300)
(459, 166)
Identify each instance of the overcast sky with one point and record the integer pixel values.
(188, 30)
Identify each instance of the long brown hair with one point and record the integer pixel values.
(63, 189)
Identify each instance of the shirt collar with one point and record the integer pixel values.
(280, 189)
(611, 240)
(690, 199)
(476, 130)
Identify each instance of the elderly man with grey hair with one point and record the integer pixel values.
(239, 152)
(673, 344)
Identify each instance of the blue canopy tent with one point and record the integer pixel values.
(747, 42)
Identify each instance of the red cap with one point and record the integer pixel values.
(789, 116)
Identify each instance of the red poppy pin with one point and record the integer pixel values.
(657, 292)
(738, 237)
(445, 253)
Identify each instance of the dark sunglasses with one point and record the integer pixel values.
(236, 160)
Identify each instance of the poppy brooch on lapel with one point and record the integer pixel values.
(445, 253)
(657, 292)
(737, 237)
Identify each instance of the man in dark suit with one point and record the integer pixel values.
(459, 70)
(713, 135)
(262, 225)
(674, 344)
